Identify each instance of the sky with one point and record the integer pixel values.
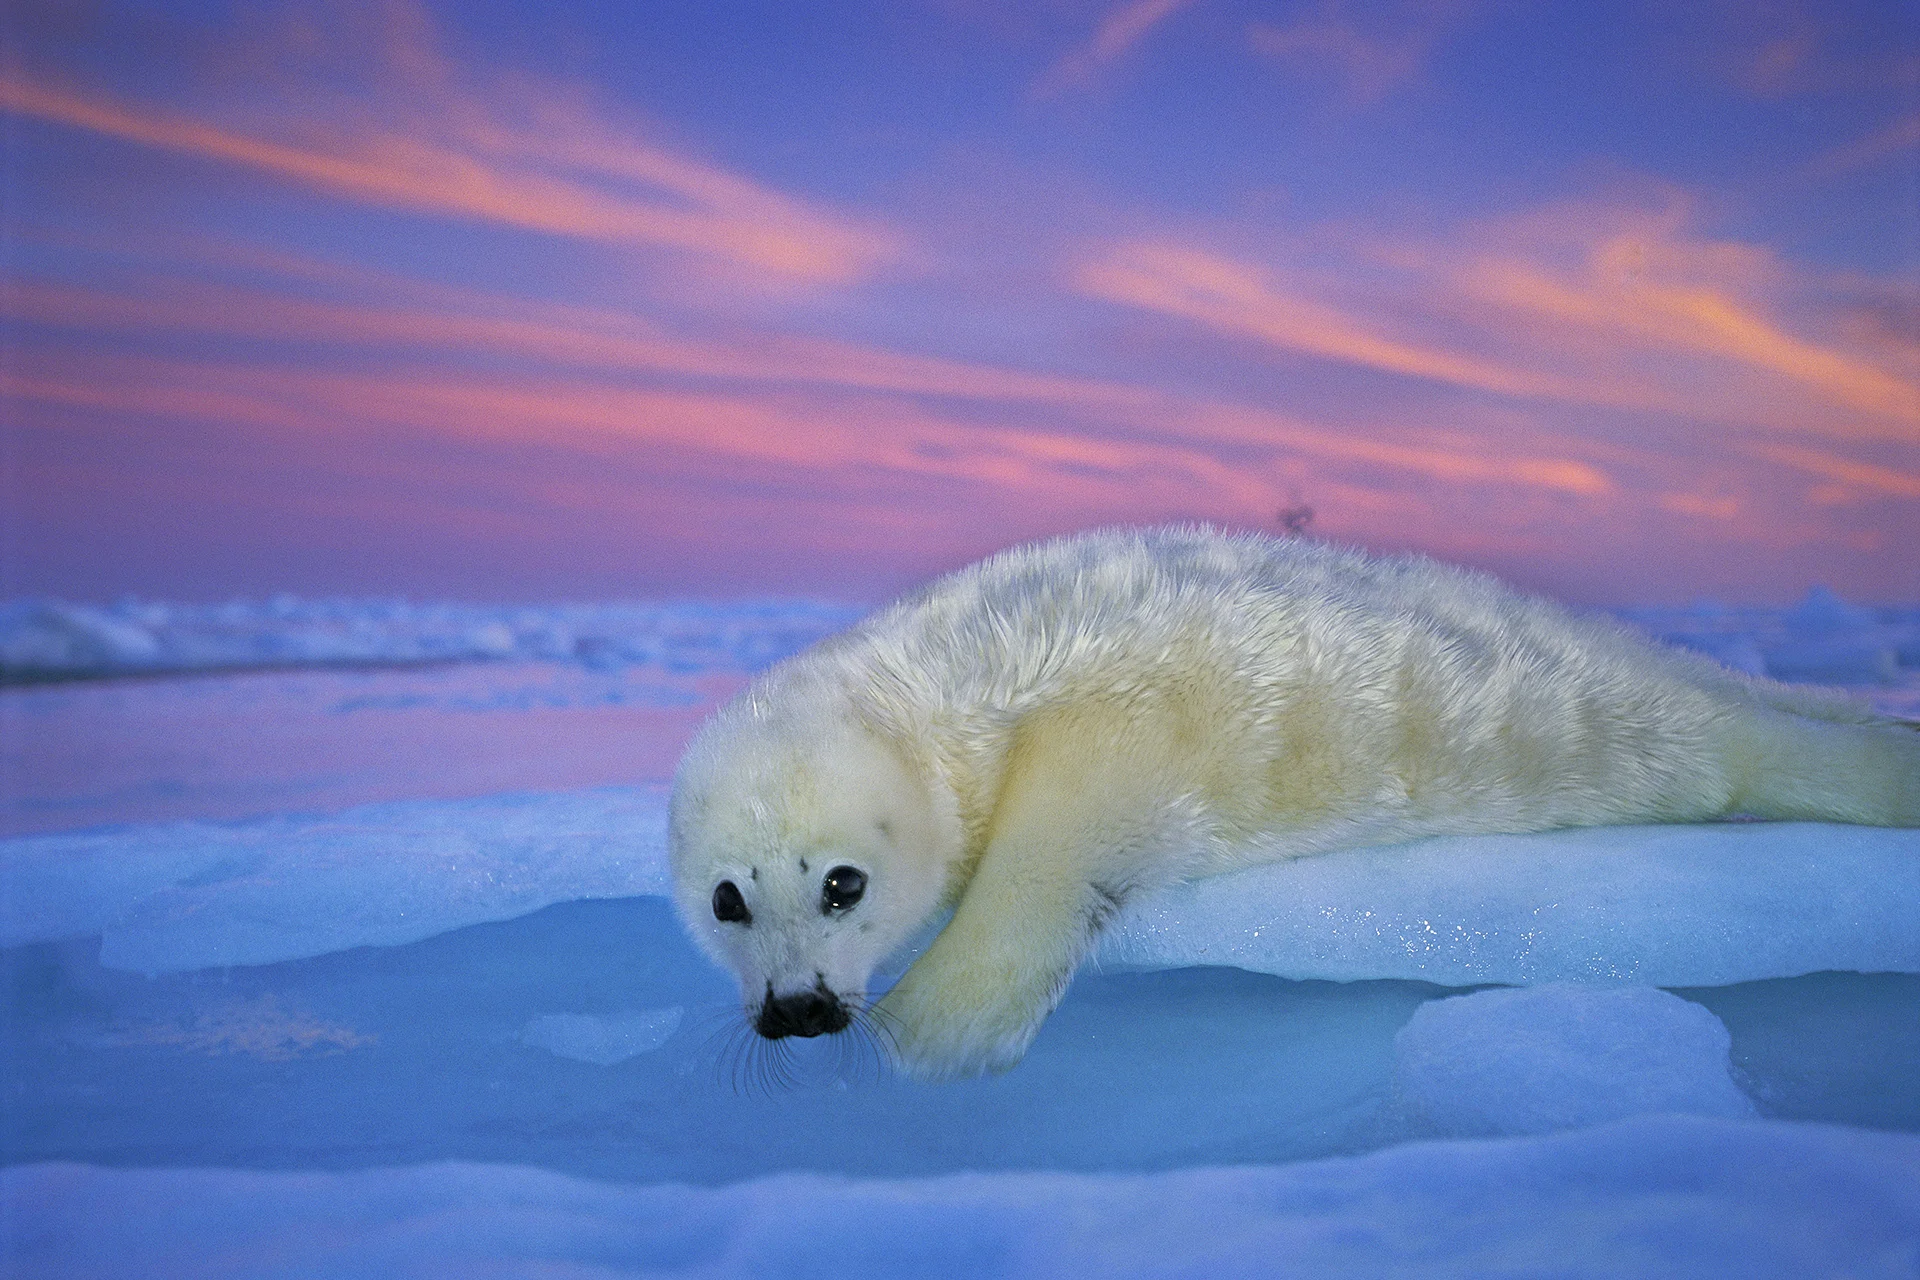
(528, 301)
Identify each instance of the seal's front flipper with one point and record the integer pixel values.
(975, 1000)
(1078, 812)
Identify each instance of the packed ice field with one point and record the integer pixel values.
(336, 945)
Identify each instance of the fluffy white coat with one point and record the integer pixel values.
(1034, 739)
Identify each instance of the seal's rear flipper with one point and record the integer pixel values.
(1791, 767)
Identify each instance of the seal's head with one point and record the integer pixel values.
(805, 849)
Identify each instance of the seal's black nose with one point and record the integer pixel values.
(810, 1013)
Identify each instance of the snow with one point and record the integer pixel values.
(1655, 1197)
(1561, 1056)
(369, 972)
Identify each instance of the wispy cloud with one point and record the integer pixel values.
(438, 323)
(1890, 142)
(1783, 51)
(1482, 460)
(406, 324)
(1848, 473)
(1367, 64)
(1580, 306)
(562, 173)
(868, 476)
(1649, 289)
(833, 442)
(1243, 299)
(1122, 29)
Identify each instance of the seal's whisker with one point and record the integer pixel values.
(878, 1024)
(871, 1047)
(777, 1059)
(868, 1048)
(736, 1054)
(713, 1023)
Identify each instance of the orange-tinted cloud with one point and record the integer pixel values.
(1634, 290)
(1579, 306)
(817, 436)
(463, 164)
(1707, 506)
(1238, 298)
(1481, 461)
(426, 325)
(866, 475)
(1153, 454)
(1846, 472)
(438, 320)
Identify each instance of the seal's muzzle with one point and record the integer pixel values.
(808, 1013)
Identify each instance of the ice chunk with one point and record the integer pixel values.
(1701, 905)
(602, 1041)
(1655, 1197)
(1832, 642)
(1824, 613)
(46, 636)
(1737, 651)
(1834, 660)
(1823, 638)
(1560, 1056)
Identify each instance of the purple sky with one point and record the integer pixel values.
(516, 300)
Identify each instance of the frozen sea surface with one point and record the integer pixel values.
(366, 972)
(1655, 1197)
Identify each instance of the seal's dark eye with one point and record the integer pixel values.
(842, 888)
(728, 905)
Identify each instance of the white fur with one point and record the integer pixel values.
(1035, 738)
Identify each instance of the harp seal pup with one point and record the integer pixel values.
(1035, 739)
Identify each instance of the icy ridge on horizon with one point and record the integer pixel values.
(51, 639)
(1653, 1196)
(1822, 639)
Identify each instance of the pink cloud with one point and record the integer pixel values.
(1243, 299)
(1853, 475)
(564, 174)
(422, 326)
(1578, 305)
(442, 320)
